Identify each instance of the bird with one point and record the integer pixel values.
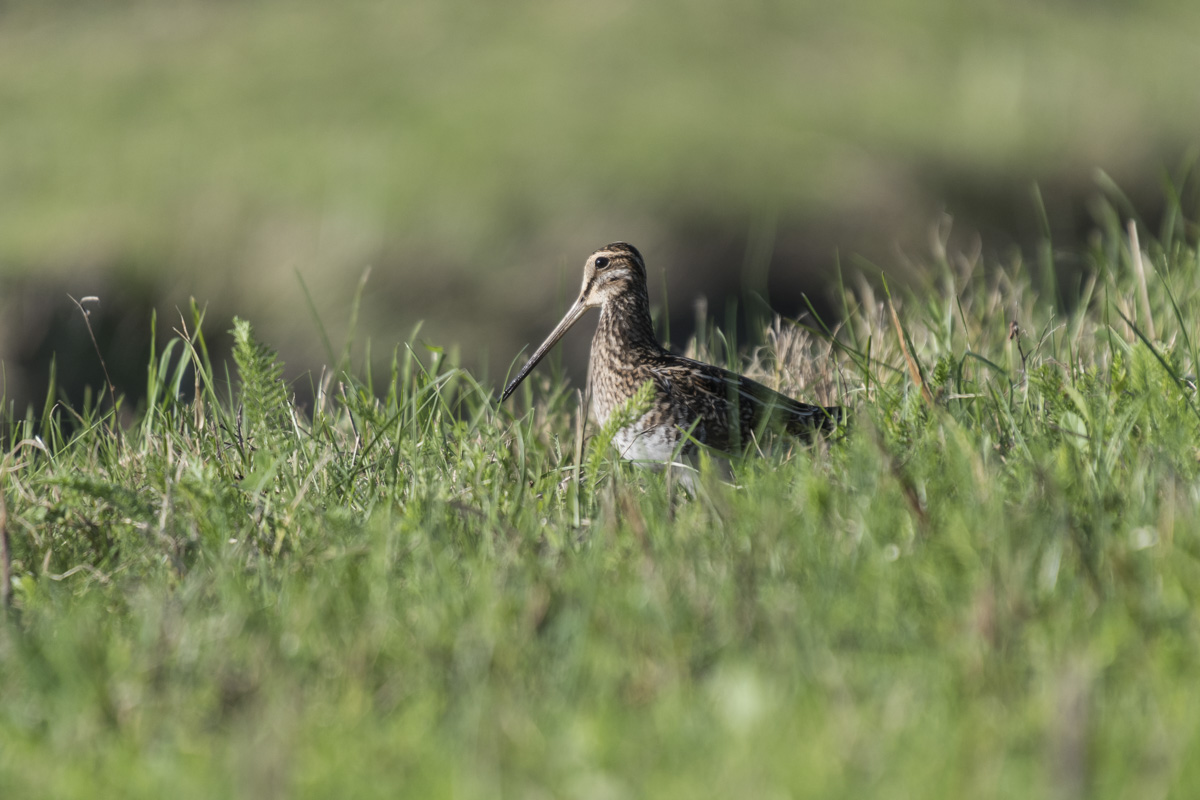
(693, 404)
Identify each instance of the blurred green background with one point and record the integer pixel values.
(472, 154)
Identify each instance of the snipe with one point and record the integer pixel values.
(691, 400)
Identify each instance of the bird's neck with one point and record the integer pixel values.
(625, 326)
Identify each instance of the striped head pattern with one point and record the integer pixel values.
(612, 270)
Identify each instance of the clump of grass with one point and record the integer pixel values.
(988, 588)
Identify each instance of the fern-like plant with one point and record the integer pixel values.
(264, 398)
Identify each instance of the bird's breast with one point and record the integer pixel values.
(613, 384)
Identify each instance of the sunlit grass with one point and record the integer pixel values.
(987, 588)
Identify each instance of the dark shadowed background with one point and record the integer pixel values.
(471, 154)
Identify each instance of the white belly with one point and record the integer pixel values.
(642, 442)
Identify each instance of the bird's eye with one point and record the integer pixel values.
(601, 262)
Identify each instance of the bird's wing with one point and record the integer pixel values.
(716, 395)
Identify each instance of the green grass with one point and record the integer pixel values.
(989, 593)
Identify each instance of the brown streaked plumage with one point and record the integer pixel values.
(718, 408)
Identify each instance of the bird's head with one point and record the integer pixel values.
(611, 271)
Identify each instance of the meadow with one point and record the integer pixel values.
(986, 587)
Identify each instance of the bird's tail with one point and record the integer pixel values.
(807, 420)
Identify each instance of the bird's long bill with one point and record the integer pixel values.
(572, 316)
